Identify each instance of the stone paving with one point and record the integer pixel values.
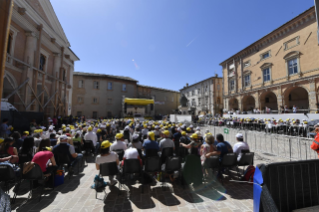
(76, 195)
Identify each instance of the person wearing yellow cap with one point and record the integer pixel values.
(119, 143)
(25, 134)
(107, 156)
(150, 143)
(91, 136)
(193, 145)
(144, 130)
(166, 142)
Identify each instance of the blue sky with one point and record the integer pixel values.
(167, 43)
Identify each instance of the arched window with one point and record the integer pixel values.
(42, 62)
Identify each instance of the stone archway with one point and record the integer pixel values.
(248, 103)
(297, 96)
(233, 104)
(268, 99)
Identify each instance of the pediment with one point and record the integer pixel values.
(292, 54)
(265, 65)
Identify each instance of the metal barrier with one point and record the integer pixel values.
(283, 146)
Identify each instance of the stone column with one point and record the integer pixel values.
(312, 96)
(55, 83)
(256, 96)
(279, 99)
(30, 48)
(235, 75)
(239, 99)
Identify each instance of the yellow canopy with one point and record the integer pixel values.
(131, 101)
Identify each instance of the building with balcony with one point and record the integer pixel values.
(39, 64)
(204, 96)
(280, 69)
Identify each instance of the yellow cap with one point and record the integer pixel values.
(188, 129)
(26, 132)
(48, 148)
(166, 132)
(183, 133)
(151, 135)
(90, 129)
(194, 136)
(1, 140)
(105, 144)
(119, 136)
(99, 130)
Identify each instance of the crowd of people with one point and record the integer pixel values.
(114, 141)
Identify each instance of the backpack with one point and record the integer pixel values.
(249, 174)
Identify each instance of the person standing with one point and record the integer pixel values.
(4, 128)
(294, 109)
(315, 144)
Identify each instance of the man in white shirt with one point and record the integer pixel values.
(240, 145)
(166, 141)
(144, 130)
(119, 143)
(90, 135)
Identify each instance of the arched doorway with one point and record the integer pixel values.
(268, 99)
(233, 104)
(297, 96)
(248, 103)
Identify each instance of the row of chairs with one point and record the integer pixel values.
(229, 160)
(132, 166)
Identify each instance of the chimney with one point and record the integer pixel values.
(216, 75)
(186, 84)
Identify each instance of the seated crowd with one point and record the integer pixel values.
(47, 147)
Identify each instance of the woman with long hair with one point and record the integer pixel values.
(28, 146)
(44, 143)
(7, 148)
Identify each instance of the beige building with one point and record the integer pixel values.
(166, 101)
(39, 65)
(204, 96)
(101, 95)
(282, 68)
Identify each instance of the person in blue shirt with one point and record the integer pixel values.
(4, 128)
(150, 142)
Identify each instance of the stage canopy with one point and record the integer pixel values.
(131, 101)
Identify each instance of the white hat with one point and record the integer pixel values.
(207, 131)
(239, 135)
(197, 128)
(63, 137)
(191, 126)
(156, 127)
(178, 129)
(136, 136)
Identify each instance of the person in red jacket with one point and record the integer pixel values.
(315, 143)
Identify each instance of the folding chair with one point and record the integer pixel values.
(107, 169)
(120, 153)
(151, 152)
(229, 160)
(34, 174)
(64, 160)
(88, 146)
(77, 146)
(172, 164)
(132, 166)
(246, 159)
(152, 164)
(166, 152)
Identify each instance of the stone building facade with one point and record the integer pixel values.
(204, 96)
(282, 68)
(39, 64)
(166, 101)
(101, 95)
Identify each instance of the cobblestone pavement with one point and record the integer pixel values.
(76, 195)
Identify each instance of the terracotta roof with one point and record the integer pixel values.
(104, 75)
(163, 89)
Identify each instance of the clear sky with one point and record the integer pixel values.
(167, 43)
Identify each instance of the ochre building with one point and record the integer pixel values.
(280, 69)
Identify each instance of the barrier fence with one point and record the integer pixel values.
(283, 146)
